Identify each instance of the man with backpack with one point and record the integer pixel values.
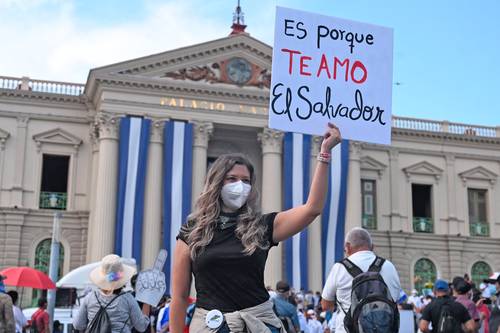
(445, 314)
(285, 311)
(349, 282)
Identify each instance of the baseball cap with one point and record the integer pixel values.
(282, 287)
(460, 285)
(441, 285)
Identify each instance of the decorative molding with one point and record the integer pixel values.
(478, 173)
(355, 149)
(4, 135)
(108, 125)
(156, 132)
(316, 141)
(271, 140)
(56, 136)
(216, 73)
(423, 168)
(27, 94)
(434, 136)
(371, 164)
(203, 130)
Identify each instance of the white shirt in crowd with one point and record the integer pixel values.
(416, 301)
(20, 319)
(302, 322)
(339, 282)
(314, 326)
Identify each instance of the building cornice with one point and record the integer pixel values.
(449, 138)
(41, 96)
(426, 152)
(49, 117)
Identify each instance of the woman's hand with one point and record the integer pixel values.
(331, 138)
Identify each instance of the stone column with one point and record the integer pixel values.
(272, 188)
(353, 211)
(94, 141)
(16, 197)
(102, 237)
(315, 258)
(395, 216)
(202, 132)
(151, 229)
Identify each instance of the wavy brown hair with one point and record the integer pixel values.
(203, 220)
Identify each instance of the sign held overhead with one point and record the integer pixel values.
(327, 69)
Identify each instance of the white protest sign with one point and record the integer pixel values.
(327, 69)
(150, 285)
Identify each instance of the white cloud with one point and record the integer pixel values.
(57, 45)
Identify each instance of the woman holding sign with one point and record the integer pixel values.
(225, 244)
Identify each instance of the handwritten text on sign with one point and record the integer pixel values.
(327, 69)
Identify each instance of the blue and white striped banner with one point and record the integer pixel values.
(333, 217)
(133, 156)
(177, 173)
(297, 159)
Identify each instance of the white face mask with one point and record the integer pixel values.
(235, 195)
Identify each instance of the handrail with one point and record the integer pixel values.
(44, 86)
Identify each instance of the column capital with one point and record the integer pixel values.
(271, 140)
(202, 130)
(156, 134)
(108, 125)
(450, 159)
(94, 136)
(393, 154)
(355, 148)
(316, 141)
(22, 121)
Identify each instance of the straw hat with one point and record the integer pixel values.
(112, 273)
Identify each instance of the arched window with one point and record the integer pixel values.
(480, 271)
(42, 263)
(424, 273)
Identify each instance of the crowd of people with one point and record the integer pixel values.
(224, 245)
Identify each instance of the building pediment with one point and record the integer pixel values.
(371, 164)
(231, 62)
(57, 136)
(423, 168)
(479, 173)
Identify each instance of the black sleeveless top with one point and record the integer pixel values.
(225, 278)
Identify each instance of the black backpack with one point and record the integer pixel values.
(101, 322)
(447, 323)
(372, 308)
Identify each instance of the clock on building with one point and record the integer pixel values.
(239, 71)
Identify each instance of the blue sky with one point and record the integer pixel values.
(446, 52)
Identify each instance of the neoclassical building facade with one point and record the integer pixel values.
(431, 199)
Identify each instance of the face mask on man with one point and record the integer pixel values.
(235, 195)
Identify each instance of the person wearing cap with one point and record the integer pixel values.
(123, 311)
(7, 322)
(225, 244)
(461, 289)
(282, 307)
(313, 323)
(494, 322)
(432, 312)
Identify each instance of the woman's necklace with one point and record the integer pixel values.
(225, 222)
